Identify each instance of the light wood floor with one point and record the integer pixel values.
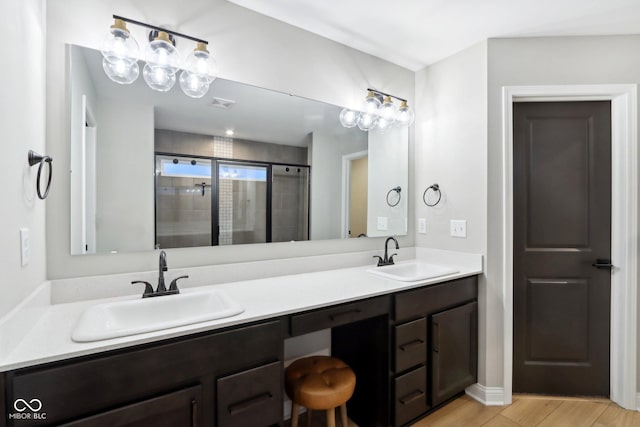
(529, 411)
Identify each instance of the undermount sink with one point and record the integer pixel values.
(412, 271)
(130, 317)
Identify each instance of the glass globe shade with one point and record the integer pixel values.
(201, 63)
(367, 121)
(405, 115)
(161, 79)
(349, 118)
(388, 111)
(382, 125)
(121, 71)
(119, 45)
(193, 85)
(370, 104)
(162, 53)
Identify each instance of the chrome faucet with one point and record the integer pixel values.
(161, 289)
(387, 260)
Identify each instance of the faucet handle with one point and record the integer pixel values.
(174, 283)
(148, 289)
(391, 258)
(380, 260)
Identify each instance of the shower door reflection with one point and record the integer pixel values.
(290, 203)
(183, 202)
(243, 203)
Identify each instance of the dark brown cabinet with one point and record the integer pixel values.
(174, 380)
(435, 337)
(179, 408)
(454, 338)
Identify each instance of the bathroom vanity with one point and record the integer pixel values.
(412, 345)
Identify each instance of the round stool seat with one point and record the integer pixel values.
(319, 382)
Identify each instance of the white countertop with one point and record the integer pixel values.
(39, 331)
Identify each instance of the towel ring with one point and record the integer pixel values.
(34, 159)
(436, 189)
(396, 190)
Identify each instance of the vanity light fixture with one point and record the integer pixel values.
(120, 51)
(120, 54)
(378, 113)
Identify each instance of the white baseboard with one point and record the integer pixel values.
(488, 396)
(637, 401)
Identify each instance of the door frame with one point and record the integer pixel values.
(624, 225)
(346, 192)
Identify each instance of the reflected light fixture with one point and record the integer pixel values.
(200, 69)
(163, 61)
(229, 132)
(120, 59)
(378, 113)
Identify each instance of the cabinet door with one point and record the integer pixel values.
(251, 398)
(174, 409)
(454, 351)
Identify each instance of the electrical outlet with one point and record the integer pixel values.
(422, 225)
(25, 247)
(458, 228)
(382, 223)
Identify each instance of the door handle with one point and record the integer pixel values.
(603, 264)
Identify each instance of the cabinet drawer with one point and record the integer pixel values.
(173, 409)
(410, 400)
(251, 398)
(435, 298)
(411, 344)
(326, 318)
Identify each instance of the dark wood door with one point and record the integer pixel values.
(562, 225)
(454, 351)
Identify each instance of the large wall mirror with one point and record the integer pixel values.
(241, 165)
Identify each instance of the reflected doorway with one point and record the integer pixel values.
(355, 187)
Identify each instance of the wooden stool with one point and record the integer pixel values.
(319, 383)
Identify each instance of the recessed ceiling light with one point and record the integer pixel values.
(229, 132)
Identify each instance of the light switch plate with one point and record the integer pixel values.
(25, 247)
(458, 228)
(422, 225)
(382, 223)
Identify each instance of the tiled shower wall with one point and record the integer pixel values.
(288, 223)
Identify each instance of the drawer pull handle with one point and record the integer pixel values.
(411, 397)
(246, 404)
(194, 413)
(411, 345)
(337, 316)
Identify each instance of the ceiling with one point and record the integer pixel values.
(416, 33)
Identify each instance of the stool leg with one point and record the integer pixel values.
(331, 417)
(343, 412)
(295, 409)
(308, 417)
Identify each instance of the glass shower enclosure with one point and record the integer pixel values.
(206, 201)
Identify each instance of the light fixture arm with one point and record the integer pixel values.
(155, 28)
(386, 94)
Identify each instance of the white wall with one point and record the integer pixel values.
(22, 127)
(249, 48)
(326, 180)
(125, 185)
(388, 163)
(537, 61)
(451, 150)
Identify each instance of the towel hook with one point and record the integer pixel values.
(34, 159)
